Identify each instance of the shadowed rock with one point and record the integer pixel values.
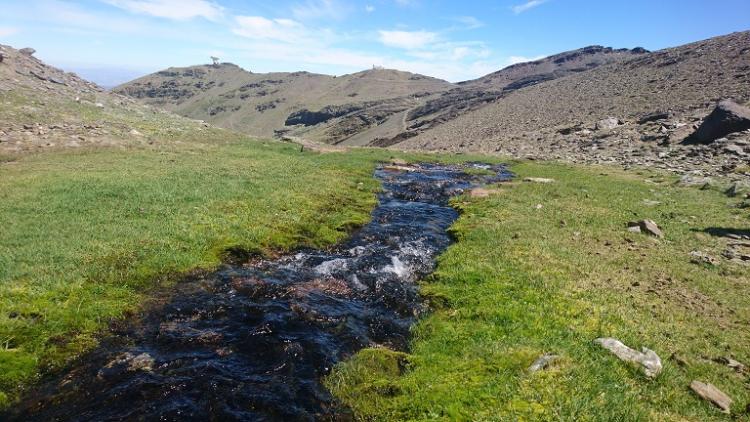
(728, 117)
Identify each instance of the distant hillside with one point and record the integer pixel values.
(357, 109)
(683, 82)
(44, 108)
(263, 104)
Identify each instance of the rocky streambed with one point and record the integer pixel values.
(252, 342)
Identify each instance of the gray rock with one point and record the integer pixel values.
(647, 358)
(688, 180)
(698, 257)
(646, 226)
(608, 123)
(538, 180)
(728, 117)
(28, 51)
(542, 362)
(712, 394)
(652, 117)
(734, 149)
(738, 188)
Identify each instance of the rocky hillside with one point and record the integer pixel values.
(635, 111)
(42, 107)
(474, 94)
(377, 105)
(277, 103)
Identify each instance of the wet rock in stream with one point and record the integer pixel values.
(252, 342)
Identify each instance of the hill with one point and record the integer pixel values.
(655, 100)
(45, 108)
(269, 104)
(356, 109)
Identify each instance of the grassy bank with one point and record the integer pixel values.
(87, 233)
(523, 281)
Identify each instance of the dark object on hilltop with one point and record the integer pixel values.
(728, 117)
(28, 51)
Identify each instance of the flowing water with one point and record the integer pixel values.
(252, 342)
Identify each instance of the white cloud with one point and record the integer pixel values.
(470, 22)
(530, 4)
(320, 9)
(369, 8)
(7, 31)
(409, 40)
(260, 28)
(521, 59)
(171, 9)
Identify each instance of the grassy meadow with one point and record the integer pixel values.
(523, 281)
(88, 234)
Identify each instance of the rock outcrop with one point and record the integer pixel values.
(728, 117)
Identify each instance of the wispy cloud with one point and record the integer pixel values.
(260, 28)
(171, 9)
(409, 40)
(469, 22)
(521, 59)
(7, 31)
(320, 9)
(369, 8)
(530, 4)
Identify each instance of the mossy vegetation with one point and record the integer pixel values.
(525, 280)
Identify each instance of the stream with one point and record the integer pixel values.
(252, 342)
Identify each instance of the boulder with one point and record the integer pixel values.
(647, 358)
(710, 393)
(608, 123)
(689, 180)
(738, 188)
(28, 51)
(728, 117)
(645, 226)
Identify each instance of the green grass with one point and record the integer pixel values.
(87, 234)
(523, 281)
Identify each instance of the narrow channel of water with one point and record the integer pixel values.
(252, 342)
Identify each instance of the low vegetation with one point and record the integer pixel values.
(86, 234)
(548, 268)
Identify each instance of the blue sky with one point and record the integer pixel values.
(113, 41)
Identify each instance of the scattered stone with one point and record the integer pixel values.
(134, 132)
(737, 366)
(645, 226)
(738, 188)
(608, 123)
(28, 51)
(538, 206)
(652, 117)
(542, 362)
(647, 358)
(99, 105)
(688, 180)
(127, 362)
(698, 257)
(634, 229)
(728, 117)
(538, 180)
(398, 168)
(735, 149)
(650, 203)
(710, 393)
